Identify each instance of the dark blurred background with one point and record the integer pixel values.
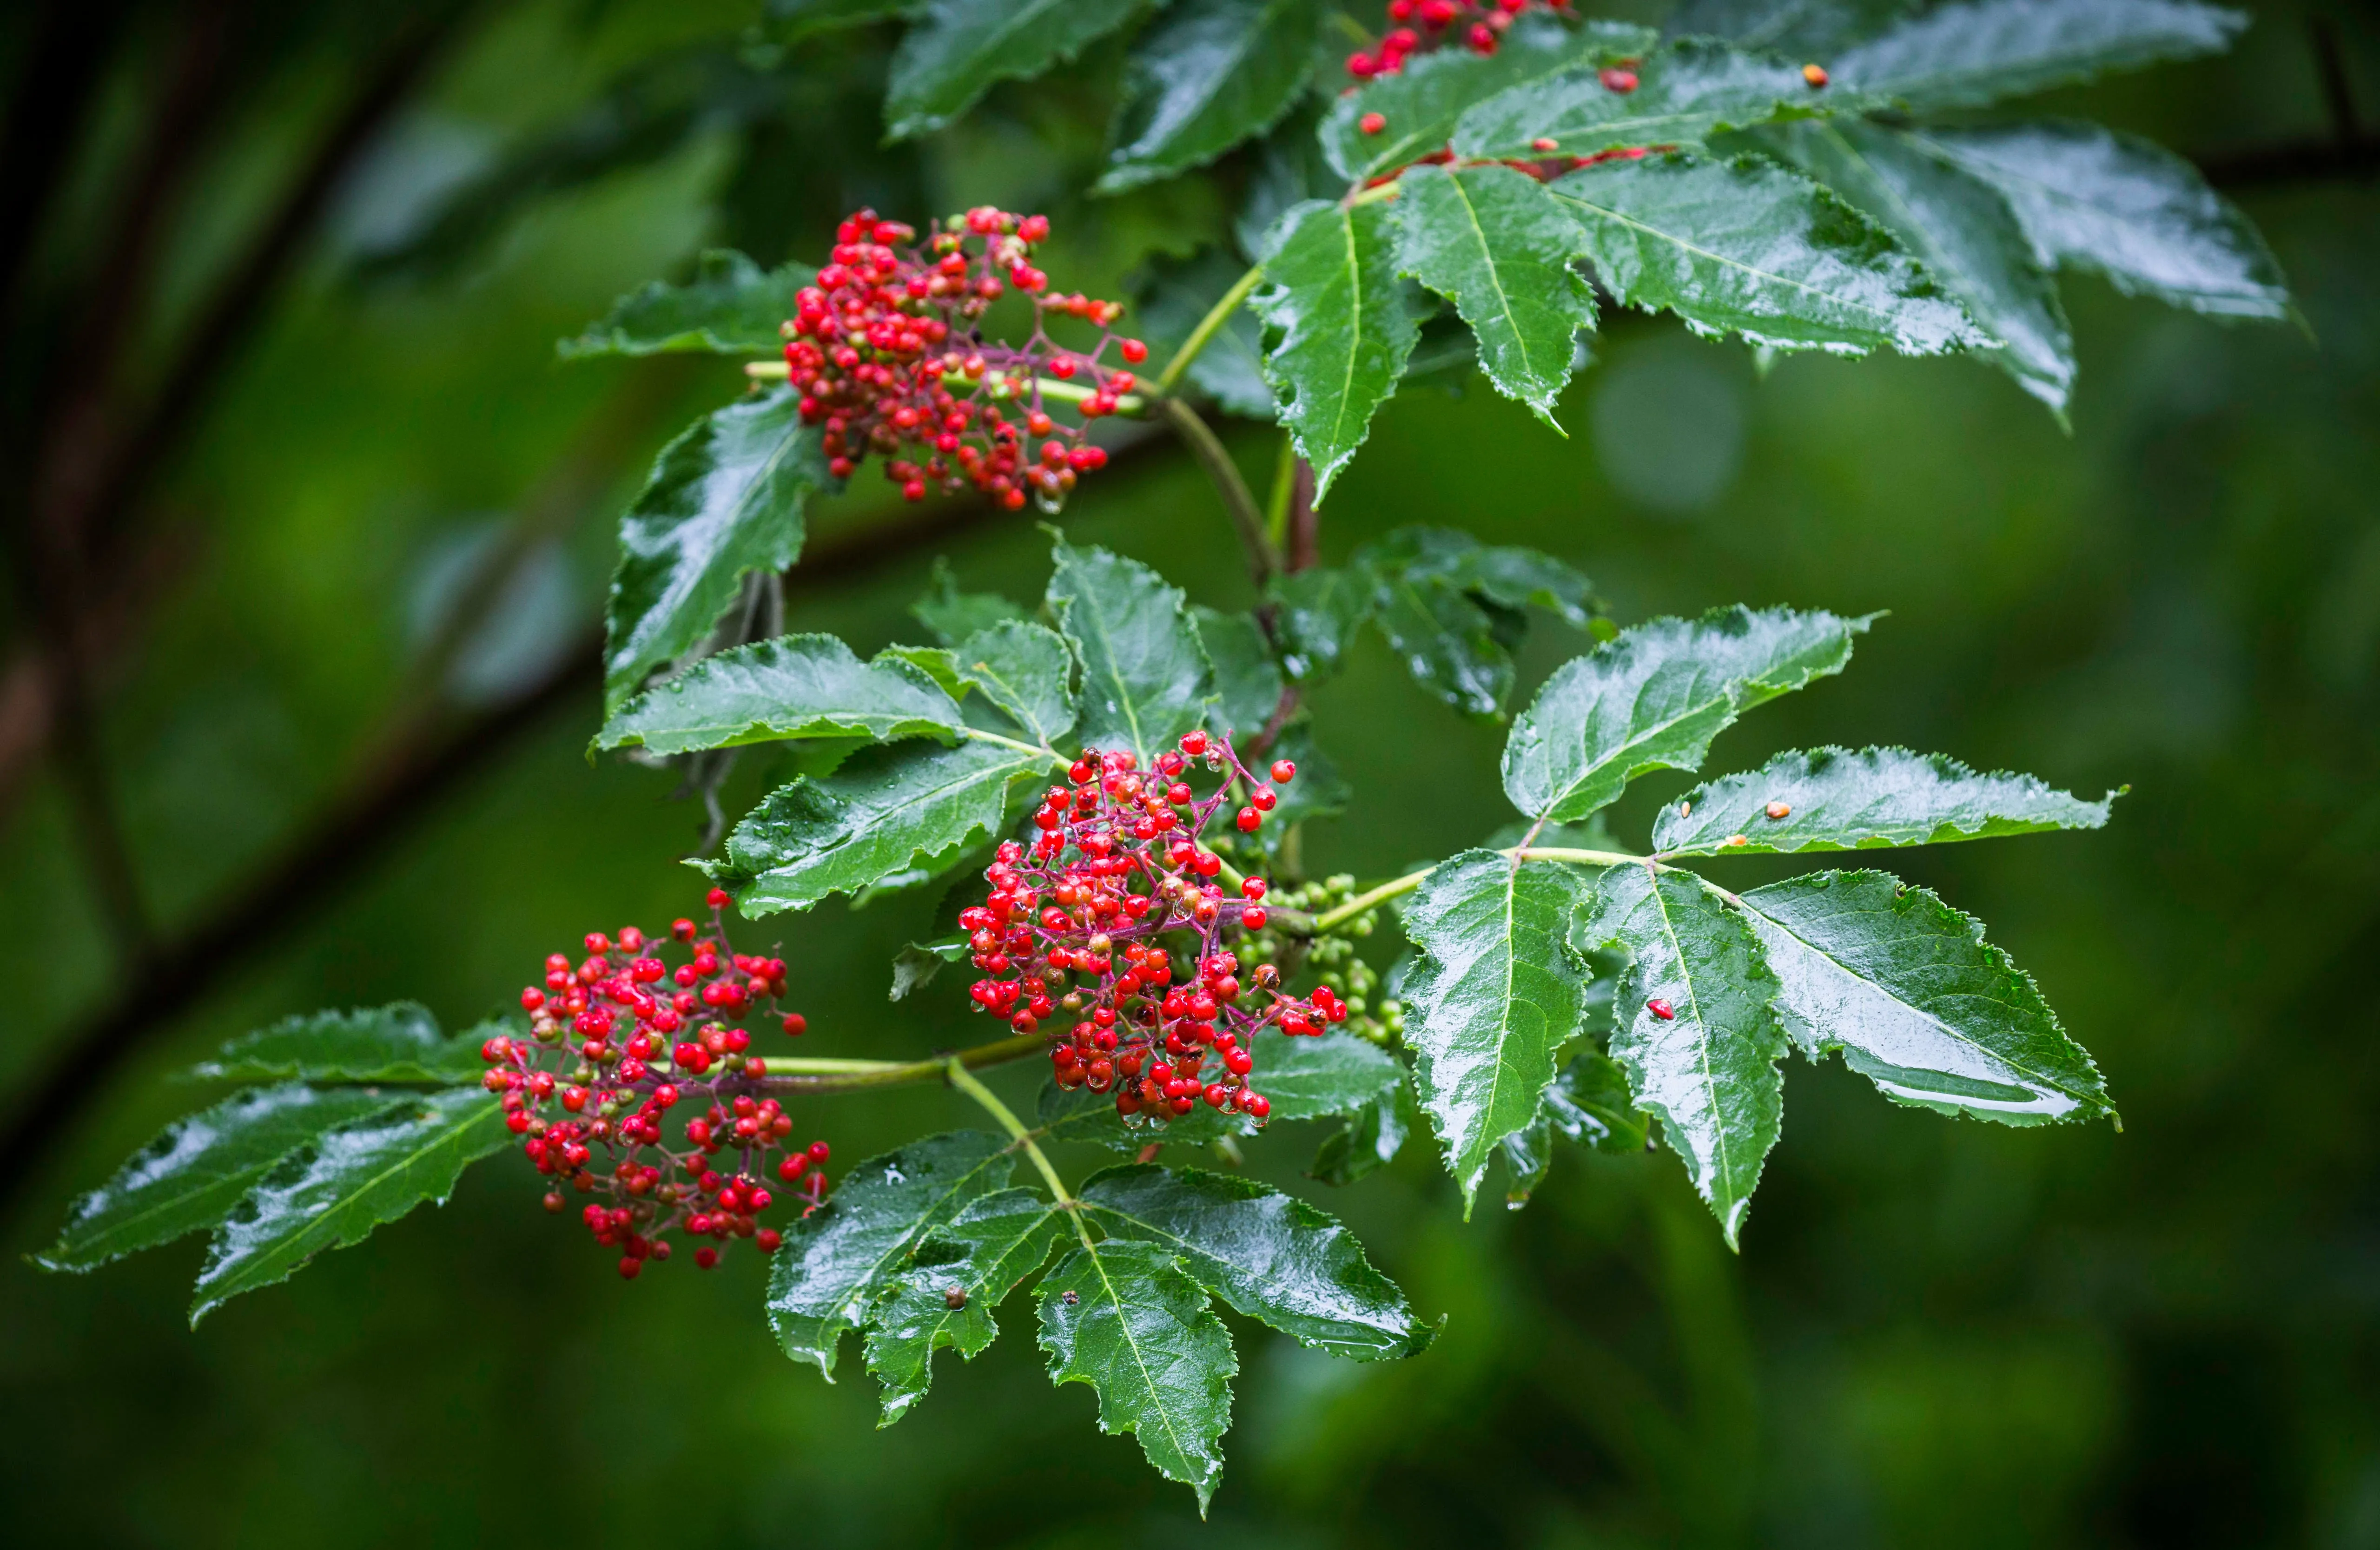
(292, 471)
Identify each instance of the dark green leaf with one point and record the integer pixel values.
(916, 966)
(888, 809)
(1340, 326)
(1371, 1138)
(1589, 1103)
(1317, 613)
(1269, 1255)
(1687, 92)
(1210, 74)
(1318, 791)
(199, 1167)
(1654, 697)
(979, 1255)
(1515, 578)
(731, 307)
(725, 499)
(1144, 680)
(954, 615)
(2090, 199)
(1443, 637)
(1708, 1070)
(333, 1190)
(959, 48)
(1796, 28)
(1749, 248)
(793, 686)
(788, 21)
(1026, 670)
(1916, 1000)
(1422, 102)
(1128, 1320)
(1496, 994)
(1837, 800)
(1175, 296)
(1306, 1079)
(400, 1041)
(1492, 241)
(838, 1260)
(1247, 681)
(1959, 55)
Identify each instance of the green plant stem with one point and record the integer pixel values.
(1238, 498)
(1284, 488)
(847, 1076)
(964, 1079)
(1217, 316)
(1131, 403)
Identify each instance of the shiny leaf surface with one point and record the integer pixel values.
(1026, 671)
(1207, 75)
(1837, 800)
(957, 49)
(400, 1041)
(978, 1256)
(1960, 55)
(1316, 614)
(793, 686)
(731, 307)
(1144, 679)
(1340, 326)
(1686, 91)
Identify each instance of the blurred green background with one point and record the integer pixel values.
(1938, 1334)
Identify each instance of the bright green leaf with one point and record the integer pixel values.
(1208, 74)
(1247, 680)
(1686, 92)
(1026, 671)
(946, 1295)
(1339, 324)
(1835, 800)
(793, 686)
(1371, 1139)
(1962, 55)
(958, 49)
(731, 307)
(1144, 679)
(400, 1041)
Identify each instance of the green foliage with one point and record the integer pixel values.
(731, 307)
(1340, 328)
(1687, 92)
(1837, 800)
(960, 48)
(1026, 672)
(400, 1041)
(1450, 609)
(1143, 675)
(1175, 295)
(1965, 54)
(1247, 679)
(946, 1294)
(951, 615)
(1306, 1079)
(1206, 76)
(793, 686)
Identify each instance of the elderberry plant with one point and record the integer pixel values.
(1117, 780)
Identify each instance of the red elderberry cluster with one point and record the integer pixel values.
(617, 1041)
(1081, 930)
(1480, 24)
(887, 353)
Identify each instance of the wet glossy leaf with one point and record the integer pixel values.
(199, 1167)
(1144, 680)
(836, 1262)
(957, 49)
(1026, 670)
(954, 615)
(1305, 1078)
(793, 686)
(1686, 92)
(1654, 697)
(1515, 578)
(333, 1190)
(725, 499)
(1340, 326)
(1496, 992)
(731, 307)
(915, 966)
(1269, 1255)
(1750, 248)
(1708, 1070)
(1247, 681)
(1492, 241)
(1589, 1103)
(1795, 29)
(400, 1041)
(1371, 1139)
(1128, 1320)
(2093, 200)
(1837, 800)
(886, 810)
(1316, 614)
(1917, 1001)
(947, 1293)
(1207, 75)
(1962, 229)
(1423, 605)
(1959, 56)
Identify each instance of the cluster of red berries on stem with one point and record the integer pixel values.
(888, 353)
(1424, 25)
(1079, 935)
(619, 1039)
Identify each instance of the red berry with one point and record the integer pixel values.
(1283, 772)
(1660, 1008)
(717, 899)
(706, 1256)
(1254, 919)
(1815, 74)
(1250, 820)
(629, 1268)
(1372, 122)
(796, 1024)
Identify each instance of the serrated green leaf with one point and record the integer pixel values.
(1370, 1140)
(1837, 800)
(2093, 200)
(952, 615)
(838, 1260)
(957, 49)
(400, 1041)
(1269, 1255)
(332, 1191)
(1421, 103)
(1247, 680)
(1492, 241)
(1589, 1103)
(980, 1254)
(1707, 1071)
(725, 499)
(1144, 680)
(731, 307)
(1026, 670)
(1496, 992)
(788, 21)
(1317, 613)
(1916, 1000)
(793, 686)
(916, 966)
(1962, 55)
(1340, 326)
(1748, 248)
(1305, 1078)
(1962, 230)
(1174, 296)
(1654, 697)
(1516, 578)
(1796, 28)
(1444, 638)
(1686, 92)
(886, 810)
(1208, 74)
(1128, 1320)
(199, 1167)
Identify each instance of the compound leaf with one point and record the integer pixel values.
(1269, 1255)
(947, 1293)
(731, 307)
(793, 686)
(1145, 677)
(1340, 327)
(1686, 92)
(1024, 670)
(957, 49)
(331, 1191)
(1962, 55)
(1917, 1001)
(400, 1041)
(1835, 800)
(1210, 74)
(1655, 696)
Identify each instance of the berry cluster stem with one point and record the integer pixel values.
(851, 1076)
(1131, 403)
(964, 1081)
